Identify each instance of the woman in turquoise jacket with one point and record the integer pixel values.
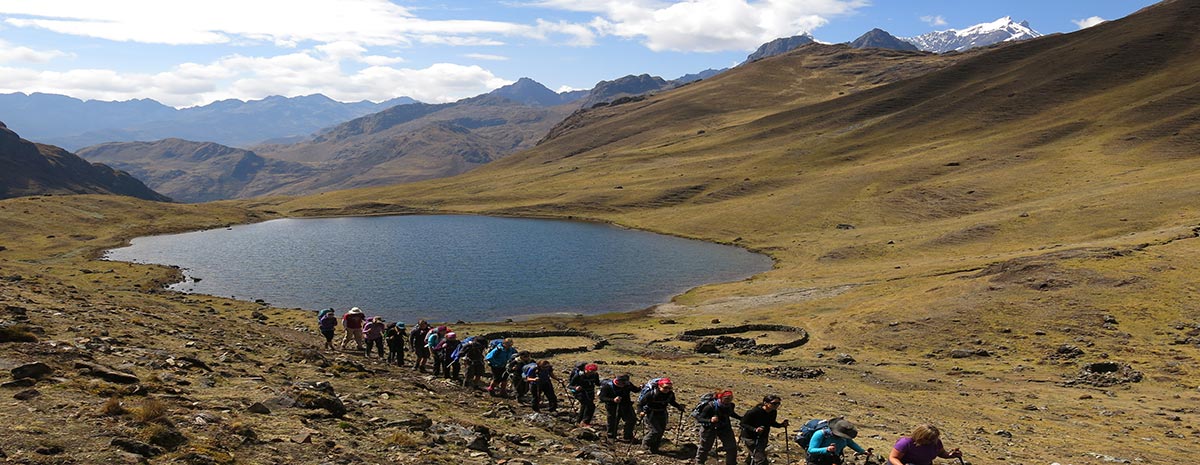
(825, 447)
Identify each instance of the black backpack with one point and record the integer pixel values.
(708, 397)
(804, 436)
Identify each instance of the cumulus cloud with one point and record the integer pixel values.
(705, 25)
(1088, 22)
(318, 70)
(935, 21)
(288, 23)
(10, 53)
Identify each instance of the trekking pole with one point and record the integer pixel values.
(678, 429)
(960, 459)
(787, 446)
(567, 392)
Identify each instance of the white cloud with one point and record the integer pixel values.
(566, 88)
(287, 23)
(935, 21)
(706, 25)
(10, 53)
(484, 56)
(1088, 22)
(318, 70)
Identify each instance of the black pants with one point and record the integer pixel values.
(450, 368)
(709, 436)
(543, 389)
(587, 408)
(396, 352)
(377, 343)
(618, 413)
(656, 425)
(823, 459)
(756, 450)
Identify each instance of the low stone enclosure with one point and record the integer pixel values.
(597, 344)
(714, 340)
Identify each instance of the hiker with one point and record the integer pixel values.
(615, 395)
(471, 353)
(920, 447)
(352, 322)
(450, 366)
(541, 383)
(373, 333)
(416, 340)
(714, 419)
(395, 335)
(653, 406)
(497, 359)
(756, 428)
(432, 340)
(327, 324)
(514, 369)
(826, 445)
(583, 385)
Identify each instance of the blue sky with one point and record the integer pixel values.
(184, 52)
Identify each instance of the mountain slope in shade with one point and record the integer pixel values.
(879, 38)
(75, 123)
(780, 46)
(693, 77)
(628, 86)
(27, 168)
(199, 171)
(979, 35)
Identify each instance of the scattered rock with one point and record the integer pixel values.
(318, 395)
(136, 447)
(666, 322)
(786, 372)
(106, 373)
(845, 226)
(27, 394)
(707, 346)
(50, 449)
(303, 437)
(1104, 374)
(1066, 351)
(715, 321)
(35, 370)
(964, 353)
(1004, 433)
(845, 359)
(259, 408)
(257, 315)
(168, 438)
(19, 383)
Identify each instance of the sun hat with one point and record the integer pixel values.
(354, 311)
(400, 324)
(843, 429)
(623, 379)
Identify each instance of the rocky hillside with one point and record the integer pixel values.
(199, 171)
(780, 46)
(879, 38)
(27, 168)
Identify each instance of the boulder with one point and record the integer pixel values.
(136, 447)
(34, 370)
(106, 373)
(169, 439)
(259, 408)
(27, 394)
(319, 395)
(845, 359)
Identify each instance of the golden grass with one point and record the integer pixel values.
(113, 407)
(150, 410)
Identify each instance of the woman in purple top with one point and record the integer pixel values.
(921, 447)
(373, 333)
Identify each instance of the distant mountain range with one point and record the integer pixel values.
(74, 123)
(879, 38)
(27, 168)
(403, 143)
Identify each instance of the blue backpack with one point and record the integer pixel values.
(458, 350)
(649, 388)
(529, 370)
(804, 436)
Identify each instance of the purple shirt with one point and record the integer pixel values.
(910, 452)
(374, 330)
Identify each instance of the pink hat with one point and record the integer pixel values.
(451, 335)
(591, 367)
(664, 381)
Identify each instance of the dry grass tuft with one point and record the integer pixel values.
(151, 410)
(404, 439)
(113, 408)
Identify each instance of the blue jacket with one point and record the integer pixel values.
(821, 440)
(499, 356)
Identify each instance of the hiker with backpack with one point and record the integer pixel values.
(714, 419)
(471, 354)
(514, 369)
(756, 428)
(827, 444)
(497, 359)
(352, 322)
(615, 393)
(394, 335)
(373, 333)
(920, 447)
(583, 385)
(433, 341)
(327, 324)
(443, 352)
(416, 340)
(653, 400)
(541, 383)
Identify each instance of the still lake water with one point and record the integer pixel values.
(443, 268)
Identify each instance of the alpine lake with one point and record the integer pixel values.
(443, 267)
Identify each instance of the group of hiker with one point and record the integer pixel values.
(822, 441)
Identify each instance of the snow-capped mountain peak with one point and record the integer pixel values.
(979, 35)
